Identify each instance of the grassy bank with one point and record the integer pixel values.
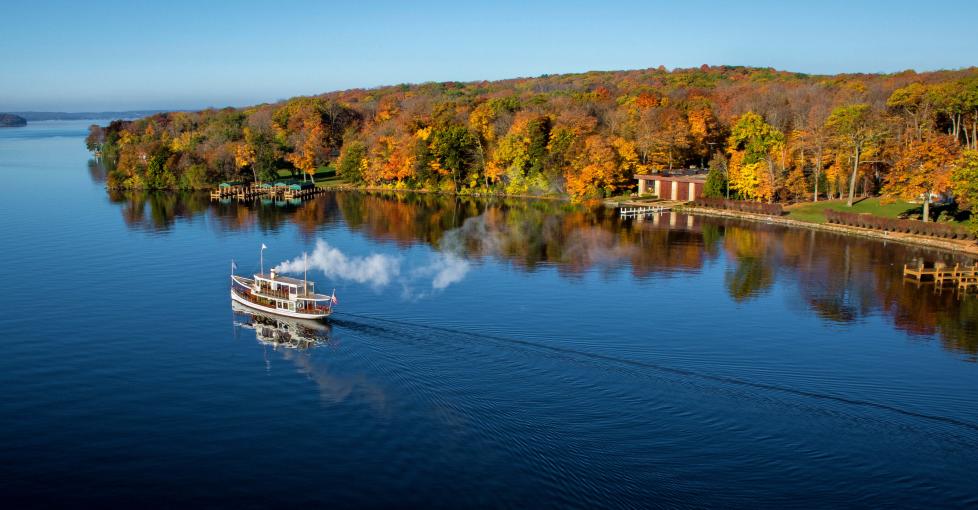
(814, 212)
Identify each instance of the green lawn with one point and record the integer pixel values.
(331, 180)
(814, 212)
(325, 176)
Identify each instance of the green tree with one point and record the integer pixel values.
(539, 133)
(352, 161)
(716, 180)
(455, 152)
(266, 154)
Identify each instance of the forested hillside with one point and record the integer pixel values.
(776, 135)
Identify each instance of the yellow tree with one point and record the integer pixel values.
(964, 180)
(753, 144)
(244, 157)
(305, 154)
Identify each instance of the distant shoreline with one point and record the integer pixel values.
(35, 116)
(11, 120)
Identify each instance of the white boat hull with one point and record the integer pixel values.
(277, 311)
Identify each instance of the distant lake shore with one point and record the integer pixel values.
(10, 120)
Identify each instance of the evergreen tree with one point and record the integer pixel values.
(716, 180)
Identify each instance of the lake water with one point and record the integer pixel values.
(484, 353)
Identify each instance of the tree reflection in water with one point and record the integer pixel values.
(839, 278)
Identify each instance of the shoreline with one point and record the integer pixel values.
(961, 247)
(446, 193)
(350, 187)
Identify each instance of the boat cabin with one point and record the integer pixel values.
(283, 286)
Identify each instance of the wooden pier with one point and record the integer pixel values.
(282, 191)
(644, 209)
(641, 211)
(963, 278)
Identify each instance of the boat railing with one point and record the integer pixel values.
(309, 306)
(281, 294)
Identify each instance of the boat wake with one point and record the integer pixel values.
(685, 373)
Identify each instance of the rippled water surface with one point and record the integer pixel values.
(484, 353)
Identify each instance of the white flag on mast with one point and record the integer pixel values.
(263, 246)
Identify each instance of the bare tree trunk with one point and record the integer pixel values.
(855, 170)
(726, 174)
(974, 131)
(818, 170)
(927, 206)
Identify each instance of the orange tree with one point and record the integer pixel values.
(924, 168)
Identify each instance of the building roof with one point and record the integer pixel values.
(281, 279)
(685, 176)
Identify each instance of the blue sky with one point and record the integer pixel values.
(108, 55)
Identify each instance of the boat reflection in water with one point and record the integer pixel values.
(292, 340)
(280, 331)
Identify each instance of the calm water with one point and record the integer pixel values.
(500, 353)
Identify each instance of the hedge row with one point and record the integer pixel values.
(943, 230)
(739, 205)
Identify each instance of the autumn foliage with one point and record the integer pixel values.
(780, 136)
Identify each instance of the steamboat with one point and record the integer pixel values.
(281, 295)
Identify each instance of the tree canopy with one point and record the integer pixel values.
(781, 135)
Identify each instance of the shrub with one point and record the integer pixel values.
(739, 205)
(932, 229)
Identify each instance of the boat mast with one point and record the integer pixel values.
(305, 269)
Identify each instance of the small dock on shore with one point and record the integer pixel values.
(641, 211)
(963, 278)
(644, 209)
(281, 191)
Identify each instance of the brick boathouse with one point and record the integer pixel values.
(681, 185)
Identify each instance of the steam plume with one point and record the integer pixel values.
(379, 270)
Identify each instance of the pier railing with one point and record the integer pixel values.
(641, 211)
